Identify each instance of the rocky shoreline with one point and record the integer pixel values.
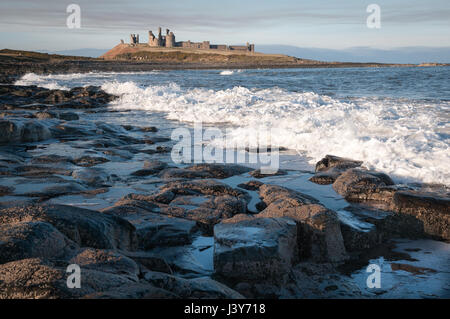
(186, 231)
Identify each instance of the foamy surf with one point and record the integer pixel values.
(379, 132)
(408, 139)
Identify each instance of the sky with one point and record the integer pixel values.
(332, 24)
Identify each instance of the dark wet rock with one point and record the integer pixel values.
(46, 115)
(189, 261)
(56, 96)
(133, 291)
(57, 190)
(105, 143)
(41, 171)
(260, 206)
(11, 157)
(5, 171)
(17, 114)
(331, 167)
(204, 171)
(130, 202)
(129, 140)
(271, 193)
(88, 161)
(65, 116)
(6, 190)
(153, 229)
(85, 227)
(258, 174)
(204, 201)
(32, 97)
(51, 159)
(31, 239)
(91, 176)
(156, 230)
(35, 278)
(157, 150)
(109, 261)
(266, 149)
(156, 139)
(150, 168)
(431, 209)
(319, 230)
(150, 261)
(326, 177)
(121, 153)
(341, 163)
(66, 130)
(255, 249)
(220, 170)
(34, 132)
(319, 233)
(412, 269)
(12, 131)
(211, 210)
(68, 116)
(148, 129)
(32, 279)
(181, 173)
(313, 280)
(205, 187)
(372, 225)
(128, 127)
(164, 197)
(359, 184)
(251, 185)
(359, 240)
(203, 288)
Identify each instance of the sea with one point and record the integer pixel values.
(395, 119)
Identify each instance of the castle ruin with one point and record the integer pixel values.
(168, 41)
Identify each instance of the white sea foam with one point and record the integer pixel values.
(398, 137)
(40, 80)
(407, 139)
(227, 72)
(57, 81)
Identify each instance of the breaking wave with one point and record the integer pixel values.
(408, 139)
(387, 134)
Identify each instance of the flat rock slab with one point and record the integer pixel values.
(360, 184)
(203, 288)
(256, 249)
(431, 209)
(206, 170)
(32, 239)
(158, 230)
(331, 161)
(85, 227)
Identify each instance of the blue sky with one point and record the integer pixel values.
(332, 24)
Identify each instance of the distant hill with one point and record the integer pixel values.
(86, 52)
(415, 55)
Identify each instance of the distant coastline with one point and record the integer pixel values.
(15, 63)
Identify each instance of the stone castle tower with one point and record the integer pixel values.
(168, 41)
